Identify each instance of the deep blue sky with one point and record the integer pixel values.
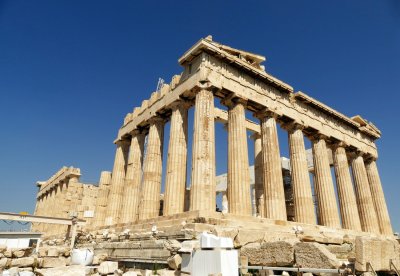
(71, 70)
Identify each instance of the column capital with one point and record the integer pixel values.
(156, 120)
(292, 126)
(232, 100)
(355, 154)
(122, 142)
(181, 103)
(339, 144)
(255, 136)
(266, 112)
(317, 136)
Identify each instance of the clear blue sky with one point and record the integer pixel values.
(71, 70)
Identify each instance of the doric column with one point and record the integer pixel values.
(102, 196)
(327, 207)
(258, 175)
(302, 194)
(133, 178)
(366, 209)
(175, 181)
(202, 189)
(238, 190)
(346, 195)
(152, 171)
(117, 183)
(378, 198)
(274, 194)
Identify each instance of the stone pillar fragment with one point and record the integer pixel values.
(175, 184)
(133, 178)
(101, 202)
(258, 176)
(378, 198)
(366, 209)
(274, 194)
(238, 190)
(117, 183)
(347, 198)
(152, 171)
(302, 194)
(323, 185)
(202, 189)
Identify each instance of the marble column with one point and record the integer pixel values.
(202, 196)
(101, 202)
(378, 198)
(366, 209)
(258, 175)
(238, 190)
(274, 194)
(302, 194)
(327, 207)
(346, 195)
(117, 183)
(152, 171)
(133, 178)
(175, 181)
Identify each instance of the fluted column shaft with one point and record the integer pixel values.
(239, 196)
(274, 194)
(175, 184)
(101, 202)
(152, 171)
(258, 175)
(302, 194)
(366, 209)
(378, 198)
(203, 195)
(117, 183)
(133, 178)
(327, 207)
(347, 198)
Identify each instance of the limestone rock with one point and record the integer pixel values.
(248, 236)
(130, 273)
(42, 252)
(311, 254)
(73, 270)
(7, 253)
(225, 232)
(52, 252)
(3, 263)
(107, 267)
(172, 245)
(23, 262)
(21, 252)
(343, 251)
(280, 253)
(3, 248)
(49, 262)
(175, 261)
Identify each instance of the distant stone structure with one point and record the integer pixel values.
(129, 197)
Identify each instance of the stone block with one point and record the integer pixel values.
(42, 252)
(23, 262)
(311, 254)
(7, 253)
(49, 262)
(3, 248)
(4, 263)
(107, 267)
(53, 252)
(172, 245)
(130, 273)
(73, 270)
(248, 236)
(175, 261)
(343, 251)
(278, 253)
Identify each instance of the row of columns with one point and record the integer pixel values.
(362, 208)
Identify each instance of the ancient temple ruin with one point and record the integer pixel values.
(130, 196)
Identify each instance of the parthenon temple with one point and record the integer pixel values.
(332, 187)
